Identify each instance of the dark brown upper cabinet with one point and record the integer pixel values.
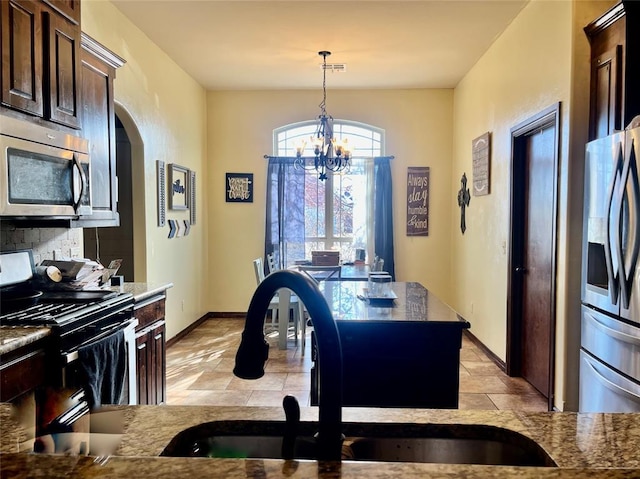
(63, 73)
(40, 61)
(98, 126)
(615, 69)
(22, 64)
(68, 8)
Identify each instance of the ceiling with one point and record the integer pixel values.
(270, 44)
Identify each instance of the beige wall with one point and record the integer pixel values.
(241, 123)
(538, 61)
(168, 109)
(541, 59)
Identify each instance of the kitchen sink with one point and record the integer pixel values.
(432, 443)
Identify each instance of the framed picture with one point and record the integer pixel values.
(239, 188)
(178, 192)
(192, 197)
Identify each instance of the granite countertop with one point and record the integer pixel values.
(583, 446)
(413, 303)
(142, 291)
(14, 337)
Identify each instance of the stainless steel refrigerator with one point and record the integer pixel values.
(610, 339)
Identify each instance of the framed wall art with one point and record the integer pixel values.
(178, 192)
(161, 191)
(239, 188)
(192, 197)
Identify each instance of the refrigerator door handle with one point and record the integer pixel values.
(627, 338)
(613, 255)
(631, 192)
(612, 386)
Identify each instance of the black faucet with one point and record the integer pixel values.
(254, 351)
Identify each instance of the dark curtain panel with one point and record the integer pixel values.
(284, 228)
(383, 214)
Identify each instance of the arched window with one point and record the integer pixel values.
(336, 213)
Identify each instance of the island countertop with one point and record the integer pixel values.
(583, 445)
(412, 303)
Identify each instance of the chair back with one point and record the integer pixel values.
(271, 263)
(321, 273)
(378, 264)
(258, 268)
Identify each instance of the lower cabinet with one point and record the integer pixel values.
(151, 351)
(22, 370)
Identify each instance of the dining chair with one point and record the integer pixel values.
(378, 264)
(321, 273)
(318, 274)
(271, 263)
(295, 305)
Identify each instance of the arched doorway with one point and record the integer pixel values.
(127, 241)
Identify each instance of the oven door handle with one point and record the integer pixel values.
(129, 325)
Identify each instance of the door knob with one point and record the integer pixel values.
(520, 269)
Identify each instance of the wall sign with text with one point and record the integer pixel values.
(481, 154)
(239, 188)
(418, 201)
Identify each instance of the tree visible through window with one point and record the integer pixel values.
(338, 212)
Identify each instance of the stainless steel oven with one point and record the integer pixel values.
(43, 172)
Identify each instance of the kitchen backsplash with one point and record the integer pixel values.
(46, 243)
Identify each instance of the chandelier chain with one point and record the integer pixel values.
(323, 103)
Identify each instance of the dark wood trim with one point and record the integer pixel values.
(187, 330)
(480, 345)
(546, 118)
(198, 322)
(605, 20)
(228, 314)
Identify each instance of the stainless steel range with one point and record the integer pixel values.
(78, 320)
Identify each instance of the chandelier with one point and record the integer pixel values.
(329, 153)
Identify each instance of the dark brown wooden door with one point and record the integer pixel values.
(537, 264)
(532, 265)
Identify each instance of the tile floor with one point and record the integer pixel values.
(200, 365)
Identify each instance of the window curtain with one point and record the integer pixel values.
(383, 214)
(284, 229)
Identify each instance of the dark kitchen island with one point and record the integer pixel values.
(400, 353)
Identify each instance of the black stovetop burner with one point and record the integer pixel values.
(54, 307)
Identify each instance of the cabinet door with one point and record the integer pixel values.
(68, 8)
(98, 126)
(157, 336)
(606, 93)
(142, 361)
(22, 55)
(63, 50)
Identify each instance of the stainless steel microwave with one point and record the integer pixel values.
(43, 172)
